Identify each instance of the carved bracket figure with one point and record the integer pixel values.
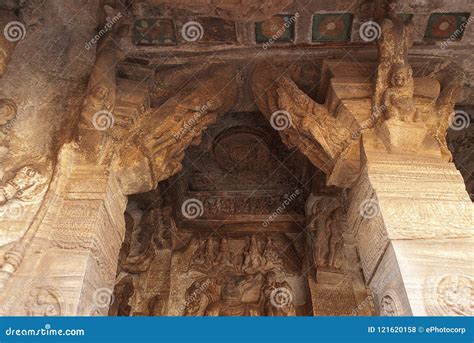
(158, 139)
(327, 141)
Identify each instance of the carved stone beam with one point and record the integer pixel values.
(233, 10)
(326, 140)
(156, 145)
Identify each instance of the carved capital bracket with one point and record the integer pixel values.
(324, 137)
(156, 142)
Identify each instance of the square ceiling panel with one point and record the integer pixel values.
(446, 26)
(332, 27)
(279, 28)
(154, 31)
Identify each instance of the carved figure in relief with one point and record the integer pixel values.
(42, 302)
(24, 185)
(252, 258)
(325, 219)
(225, 256)
(271, 256)
(241, 282)
(335, 241)
(230, 303)
(269, 289)
(209, 256)
(322, 237)
(398, 98)
(388, 306)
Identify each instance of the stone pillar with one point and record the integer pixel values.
(412, 219)
(70, 260)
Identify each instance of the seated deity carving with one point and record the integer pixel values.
(398, 100)
(230, 303)
(242, 282)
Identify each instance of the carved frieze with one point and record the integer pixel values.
(241, 276)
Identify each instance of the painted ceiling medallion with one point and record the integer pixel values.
(446, 25)
(332, 27)
(280, 28)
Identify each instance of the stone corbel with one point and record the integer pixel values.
(157, 141)
(403, 124)
(326, 140)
